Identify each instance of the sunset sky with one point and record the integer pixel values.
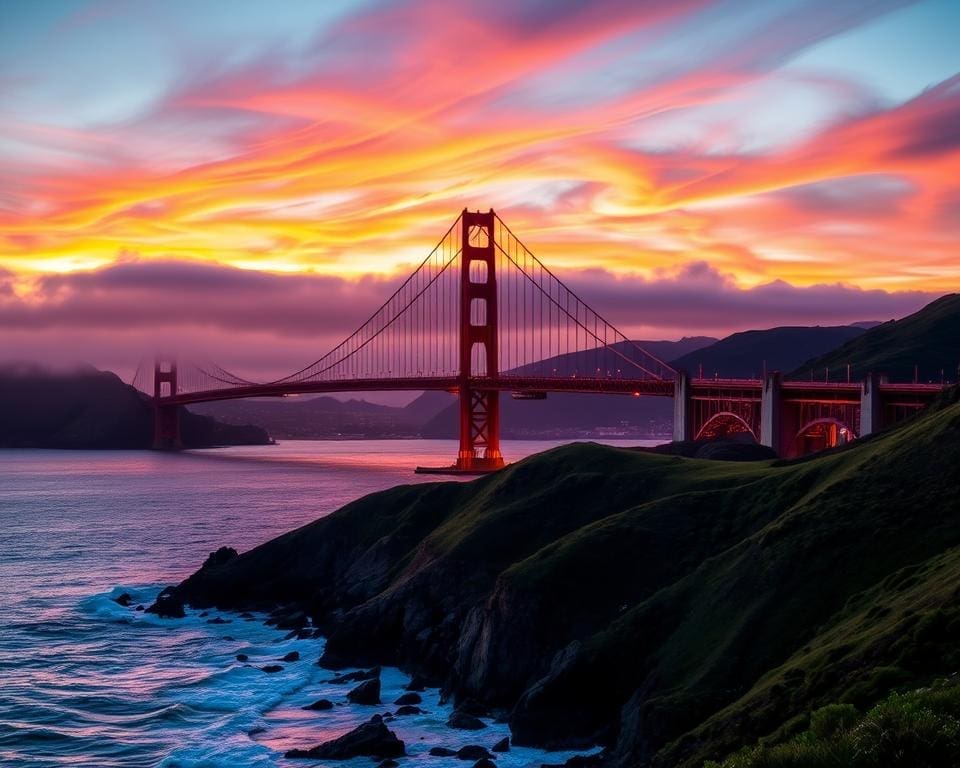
(250, 179)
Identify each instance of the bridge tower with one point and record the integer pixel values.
(479, 407)
(166, 418)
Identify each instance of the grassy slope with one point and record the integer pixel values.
(929, 338)
(701, 604)
(845, 591)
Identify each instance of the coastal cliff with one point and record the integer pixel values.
(671, 609)
(89, 409)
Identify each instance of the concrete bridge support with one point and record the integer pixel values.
(771, 412)
(871, 412)
(682, 421)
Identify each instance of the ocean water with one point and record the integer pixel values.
(85, 681)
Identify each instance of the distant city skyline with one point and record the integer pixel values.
(222, 176)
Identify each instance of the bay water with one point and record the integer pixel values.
(85, 681)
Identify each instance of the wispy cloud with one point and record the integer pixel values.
(657, 144)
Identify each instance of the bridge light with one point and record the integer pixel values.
(636, 394)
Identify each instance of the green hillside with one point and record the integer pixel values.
(928, 339)
(748, 353)
(672, 609)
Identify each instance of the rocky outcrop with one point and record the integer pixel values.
(368, 692)
(372, 739)
(168, 605)
(614, 597)
(465, 722)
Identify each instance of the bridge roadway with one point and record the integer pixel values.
(815, 391)
(635, 387)
(793, 417)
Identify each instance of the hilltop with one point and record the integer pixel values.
(749, 353)
(928, 339)
(87, 408)
(672, 609)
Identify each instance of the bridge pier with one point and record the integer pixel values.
(682, 423)
(479, 431)
(166, 418)
(771, 412)
(871, 412)
(166, 428)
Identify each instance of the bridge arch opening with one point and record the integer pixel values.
(478, 359)
(478, 312)
(820, 434)
(478, 235)
(479, 274)
(725, 424)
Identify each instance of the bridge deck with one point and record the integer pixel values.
(635, 387)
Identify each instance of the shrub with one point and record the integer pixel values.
(920, 729)
(833, 718)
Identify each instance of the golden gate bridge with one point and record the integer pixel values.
(483, 315)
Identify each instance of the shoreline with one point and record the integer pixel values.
(330, 689)
(608, 596)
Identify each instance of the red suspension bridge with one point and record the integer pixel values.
(482, 315)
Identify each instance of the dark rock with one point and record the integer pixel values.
(472, 708)
(368, 692)
(204, 614)
(242, 657)
(292, 656)
(320, 704)
(442, 752)
(388, 763)
(219, 620)
(484, 762)
(416, 684)
(585, 761)
(247, 615)
(139, 608)
(465, 722)
(271, 668)
(330, 660)
(372, 739)
(409, 698)
(286, 618)
(502, 746)
(408, 709)
(124, 600)
(167, 606)
(356, 677)
(473, 752)
(221, 556)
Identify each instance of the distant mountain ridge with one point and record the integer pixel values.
(88, 408)
(741, 355)
(318, 417)
(562, 416)
(749, 353)
(926, 342)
